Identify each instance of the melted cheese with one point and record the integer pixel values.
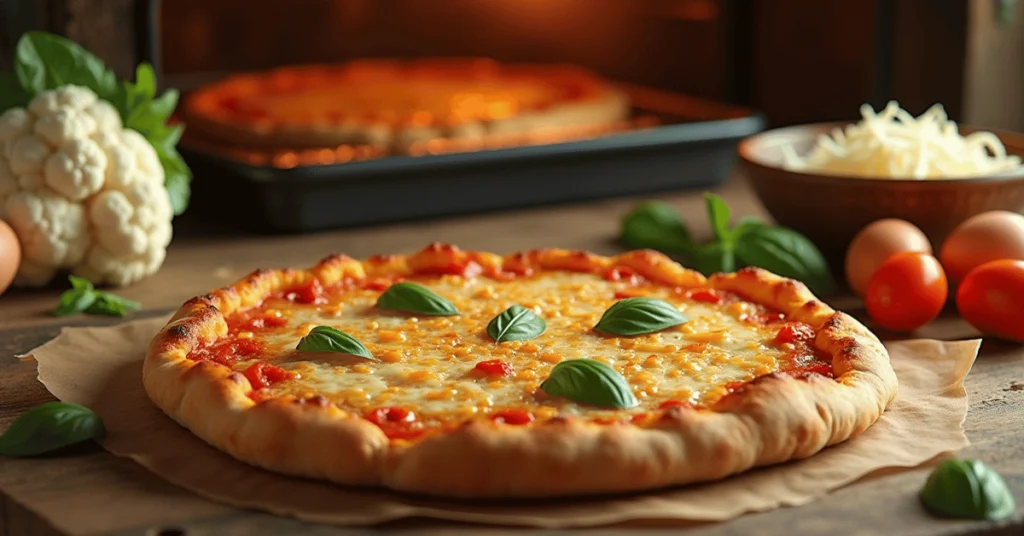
(427, 363)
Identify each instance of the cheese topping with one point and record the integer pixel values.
(428, 365)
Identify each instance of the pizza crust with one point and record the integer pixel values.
(772, 419)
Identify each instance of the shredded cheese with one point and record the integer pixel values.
(893, 144)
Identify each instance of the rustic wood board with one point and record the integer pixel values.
(92, 492)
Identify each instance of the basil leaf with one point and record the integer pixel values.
(517, 323)
(714, 257)
(413, 298)
(46, 61)
(637, 316)
(48, 427)
(11, 93)
(787, 253)
(145, 81)
(107, 304)
(328, 339)
(745, 224)
(967, 489)
(655, 225)
(84, 298)
(718, 214)
(591, 382)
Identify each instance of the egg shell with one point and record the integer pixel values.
(875, 244)
(989, 236)
(10, 255)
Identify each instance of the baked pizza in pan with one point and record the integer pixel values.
(395, 104)
(537, 374)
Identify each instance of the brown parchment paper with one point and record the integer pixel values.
(101, 368)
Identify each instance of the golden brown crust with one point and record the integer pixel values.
(770, 420)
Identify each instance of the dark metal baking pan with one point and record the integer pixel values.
(694, 147)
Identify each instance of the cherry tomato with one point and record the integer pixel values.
(907, 291)
(991, 298)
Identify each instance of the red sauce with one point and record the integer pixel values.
(465, 269)
(668, 404)
(255, 323)
(227, 352)
(795, 332)
(513, 416)
(309, 292)
(495, 367)
(261, 374)
(396, 422)
(705, 295)
(379, 283)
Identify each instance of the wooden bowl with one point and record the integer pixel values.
(831, 209)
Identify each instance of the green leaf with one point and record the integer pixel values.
(655, 225)
(82, 297)
(746, 224)
(591, 382)
(107, 304)
(718, 214)
(637, 316)
(46, 61)
(714, 257)
(412, 298)
(12, 95)
(517, 323)
(328, 339)
(48, 427)
(145, 81)
(787, 253)
(967, 489)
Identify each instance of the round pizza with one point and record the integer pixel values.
(399, 103)
(541, 373)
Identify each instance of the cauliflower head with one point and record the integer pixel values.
(82, 193)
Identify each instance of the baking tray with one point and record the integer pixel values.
(693, 146)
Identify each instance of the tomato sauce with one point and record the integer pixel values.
(261, 374)
(228, 352)
(310, 292)
(513, 416)
(396, 422)
(494, 367)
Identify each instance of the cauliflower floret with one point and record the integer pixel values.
(82, 193)
(77, 169)
(68, 97)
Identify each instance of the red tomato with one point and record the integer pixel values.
(907, 291)
(991, 298)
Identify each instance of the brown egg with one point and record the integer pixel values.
(990, 236)
(10, 255)
(875, 243)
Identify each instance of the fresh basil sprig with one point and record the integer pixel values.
(45, 61)
(48, 427)
(640, 315)
(517, 323)
(751, 242)
(328, 339)
(83, 297)
(591, 382)
(967, 489)
(413, 298)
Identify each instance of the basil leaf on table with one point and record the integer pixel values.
(46, 61)
(640, 315)
(967, 489)
(413, 298)
(655, 225)
(591, 382)
(787, 253)
(714, 257)
(517, 323)
(48, 427)
(82, 297)
(328, 339)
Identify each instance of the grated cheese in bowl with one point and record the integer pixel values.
(895, 145)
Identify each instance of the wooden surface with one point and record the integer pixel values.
(91, 492)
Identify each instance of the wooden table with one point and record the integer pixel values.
(92, 492)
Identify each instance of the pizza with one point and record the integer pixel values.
(396, 104)
(543, 373)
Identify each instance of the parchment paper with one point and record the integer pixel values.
(101, 368)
